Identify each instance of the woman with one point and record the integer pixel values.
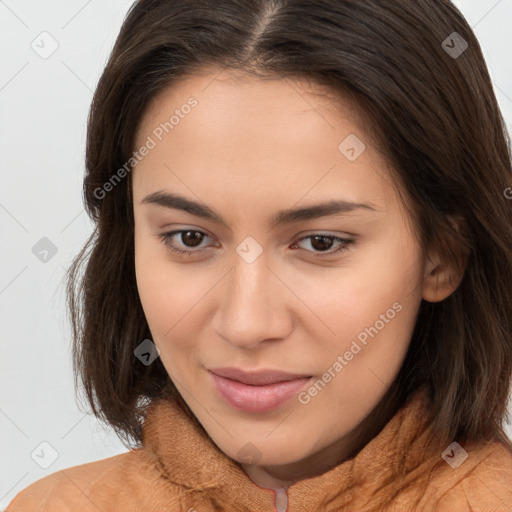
(297, 295)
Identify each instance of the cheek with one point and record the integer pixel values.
(166, 296)
(168, 306)
(366, 285)
(170, 293)
(367, 310)
(156, 285)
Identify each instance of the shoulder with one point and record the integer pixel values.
(85, 487)
(482, 481)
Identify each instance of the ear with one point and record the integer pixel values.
(439, 279)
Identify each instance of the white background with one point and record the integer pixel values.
(43, 111)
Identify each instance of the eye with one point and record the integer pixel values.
(323, 243)
(190, 238)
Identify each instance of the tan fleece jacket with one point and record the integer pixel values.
(179, 468)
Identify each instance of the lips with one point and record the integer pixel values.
(258, 378)
(257, 392)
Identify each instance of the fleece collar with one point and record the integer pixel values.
(189, 458)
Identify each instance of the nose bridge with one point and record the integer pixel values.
(248, 306)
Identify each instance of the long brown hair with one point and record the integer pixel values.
(431, 107)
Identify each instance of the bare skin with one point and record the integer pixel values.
(247, 150)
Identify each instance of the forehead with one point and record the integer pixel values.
(222, 93)
(270, 139)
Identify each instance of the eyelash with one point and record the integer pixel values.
(344, 243)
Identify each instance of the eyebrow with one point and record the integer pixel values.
(288, 216)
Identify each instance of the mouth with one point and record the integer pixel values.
(257, 392)
(257, 378)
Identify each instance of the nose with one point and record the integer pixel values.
(253, 305)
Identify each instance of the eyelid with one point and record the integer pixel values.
(170, 234)
(344, 242)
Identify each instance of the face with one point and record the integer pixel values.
(332, 297)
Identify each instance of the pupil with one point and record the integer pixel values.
(323, 246)
(196, 240)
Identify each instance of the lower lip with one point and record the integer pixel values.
(257, 398)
